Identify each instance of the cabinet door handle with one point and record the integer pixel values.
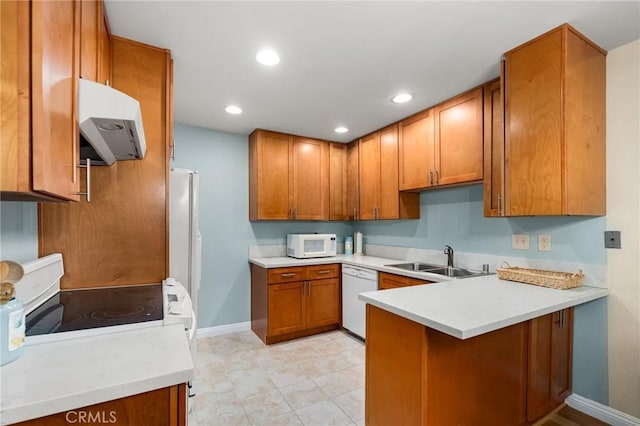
(295, 214)
(88, 191)
(308, 288)
(499, 204)
(437, 177)
(355, 214)
(430, 177)
(288, 275)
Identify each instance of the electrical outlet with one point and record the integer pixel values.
(520, 241)
(544, 242)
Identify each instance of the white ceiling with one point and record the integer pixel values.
(341, 62)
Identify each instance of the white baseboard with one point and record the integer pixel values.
(224, 329)
(600, 411)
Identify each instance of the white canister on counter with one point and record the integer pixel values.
(348, 245)
(357, 243)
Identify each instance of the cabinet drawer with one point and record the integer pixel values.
(387, 281)
(287, 275)
(316, 272)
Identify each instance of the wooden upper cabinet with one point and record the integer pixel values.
(459, 139)
(443, 145)
(288, 177)
(417, 151)
(353, 184)
(309, 179)
(104, 48)
(129, 244)
(89, 39)
(555, 126)
(369, 176)
(338, 183)
(95, 42)
(493, 150)
(269, 176)
(39, 146)
(378, 179)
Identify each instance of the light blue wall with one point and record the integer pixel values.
(18, 231)
(455, 216)
(222, 160)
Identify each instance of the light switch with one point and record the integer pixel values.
(544, 242)
(612, 239)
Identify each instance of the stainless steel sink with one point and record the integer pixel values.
(456, 272)
(438, 269)
(415, 266)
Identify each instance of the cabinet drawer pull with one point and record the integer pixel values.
(326, 271)
(288, 275)
(88, 192)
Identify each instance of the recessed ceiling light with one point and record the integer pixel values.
(401, 98)
(341, 129)
(232, 109)
(268, 57)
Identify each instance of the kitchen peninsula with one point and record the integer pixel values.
(458, 350)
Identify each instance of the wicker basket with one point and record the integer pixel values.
(551, 279)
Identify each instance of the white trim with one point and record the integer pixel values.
(224, 329)
(601, 412)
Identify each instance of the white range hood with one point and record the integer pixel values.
(111, 123)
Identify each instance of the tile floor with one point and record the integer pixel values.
(314, 381)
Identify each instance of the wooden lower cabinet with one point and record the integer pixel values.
(387, 281)
(549, 365)
(166, 406)
(419, 376)
(288, 303)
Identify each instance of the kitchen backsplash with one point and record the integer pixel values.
(595, 275)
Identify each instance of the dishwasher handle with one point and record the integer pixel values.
(353, 271)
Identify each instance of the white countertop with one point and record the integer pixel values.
(469, 307)
(462, 308)
(58, 376)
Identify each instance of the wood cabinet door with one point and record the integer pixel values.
(104, 48)
(269, 180)
(388, 206)
(287, 308)
(493, 150)
(338, 188)
(160, 407)
(369, 176)
(416, 151)
(534, 158)
(549, 362)
(323, 302)
(353, 184)
(309, 179)
(90, 11)
(459, 144)
(55, 27)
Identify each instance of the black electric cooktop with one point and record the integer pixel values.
(71, 310)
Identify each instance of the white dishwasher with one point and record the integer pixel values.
(356, 280)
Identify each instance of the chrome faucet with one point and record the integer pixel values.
(449, 252)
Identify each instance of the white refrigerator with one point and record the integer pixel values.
(185, 241)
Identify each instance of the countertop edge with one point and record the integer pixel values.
(596, 293)
(182, 372)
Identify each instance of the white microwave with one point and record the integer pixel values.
(304, 246)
